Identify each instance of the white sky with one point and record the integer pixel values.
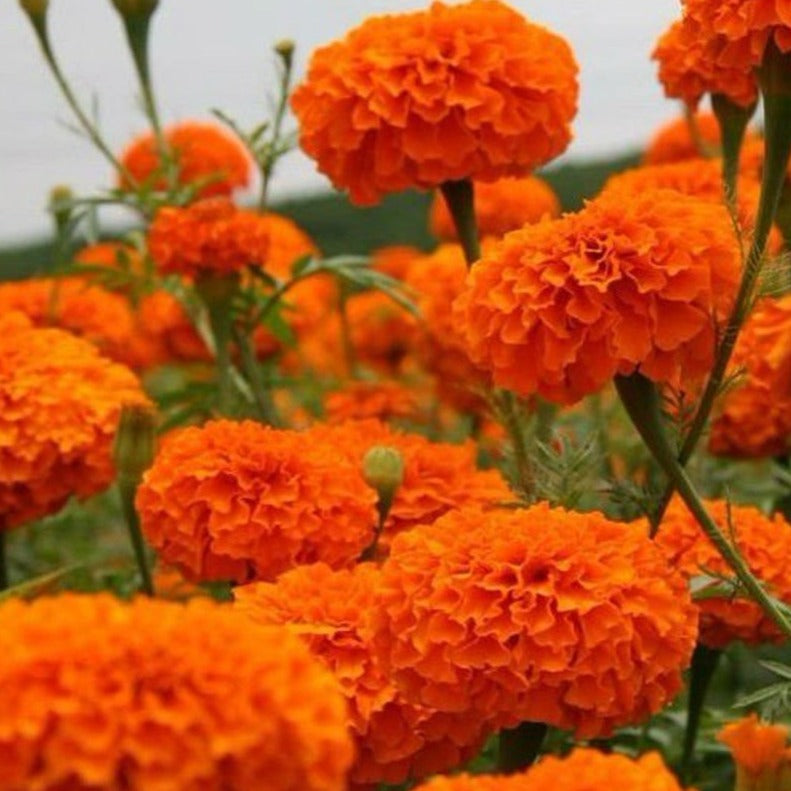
(208, 53)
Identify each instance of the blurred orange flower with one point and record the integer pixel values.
(763, 761)
(60, 401)
(635, 281)
(502, 206)
(204, 154)
(100, 694)
(540, 615)
(394, 260)
(395, 740)
(383, 400)
(765, 544)
(241, 501)
(453, 92)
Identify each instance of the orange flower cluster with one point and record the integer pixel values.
(102, 695)
(59, 407)
(396, 740)
(206, 157)
(211, 235)
(754, 419)
(502, 206)
(689, 67)
(438, 477)
(633, 282)
(582, 770)
(764, 543)
(380, 400)
(540, 615)
(242, 501)
(763, 761)
(453, 92)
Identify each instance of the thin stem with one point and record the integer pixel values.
(640, 397)
(733, 121)
(460, 199)
(704, 664)
(127, 489)
(525, 476)
(519, 747)
(3, 559)
(258, 386)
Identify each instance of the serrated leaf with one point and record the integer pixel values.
(784, 671)
(760, 696)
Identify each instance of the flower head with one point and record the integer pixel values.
(206, 157)
(635, 281)
(763, 761)
(453, 92)
(101, 695)
(394, 260)
(765, 544)
(396, 740)
(60, 401)
(241, 501)
(540, 615)
(385, 400)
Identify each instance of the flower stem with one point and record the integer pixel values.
(127, 489)
(259, 387)
(733, 120)
(460, 199)
(519, 747)
(510, 414)
(3, 559)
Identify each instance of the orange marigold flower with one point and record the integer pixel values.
(765, 545)
(242, 501)
(763, 761)
(501, 206)
(541, 615)
(211, 235)
(582, 770)
(381, 400)
(100, 694)
(754, 418)
(453, 92)
(59, 407)
(635, 281)
(396, 740)
(689, 67)
(287, 243)
(110, 255)
(394, 260)
(205, 154)
(438, 476)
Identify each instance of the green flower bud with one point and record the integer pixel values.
(383, 469)
(285, 49)
(35, 9)
(60, 198)
(135, 442)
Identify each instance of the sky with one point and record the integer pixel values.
(208, 54)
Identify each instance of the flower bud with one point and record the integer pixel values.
(383, 469)
(130, 8)
(285, 50)
(35, 9)
(60, 198)
(135, 441)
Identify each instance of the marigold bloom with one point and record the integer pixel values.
(438, 476)
(381, 400)
(394, 260)
(763, 761)
(59, 407)
(242, 501)
(635, 281)
(211, 235)
(287, 243)
(581, 770)
(501, 206)
(689, 67)
(204, 153)
(754, 418)
(765, 544)
(101, 695)
(453, 92)
(109, 254)
(396, 740)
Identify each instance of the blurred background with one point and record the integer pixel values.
(208, 54)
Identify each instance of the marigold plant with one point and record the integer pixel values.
(540, 615)
(453, 92)
(102, 695)
(396, 740)
(241, 501)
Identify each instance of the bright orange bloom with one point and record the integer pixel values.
(540, 615)
(101, 695)
(633, 282)
(438, 477)
(59, 407)
(689, 67)
(242, 501)
(109, 254)
(386, 400)
(287, 243)
(582, 770)
(502, 206)
(162, 317)
(204, 153)
(765, 544)
(453, 92)
(763, 761)
(211, 235)
(754, 418)
(396, 740)
(394, 260)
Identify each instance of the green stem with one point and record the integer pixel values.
(525, 476)
(127, 488)
(641, 400)
(733, 120)
(704, 663)
(519, 747)
(258, 385)
(460, 199)
(3, 558)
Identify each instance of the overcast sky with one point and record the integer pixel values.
(216, 54)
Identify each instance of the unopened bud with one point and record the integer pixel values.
(60, 199)
(285, 49)
(383, 469)
(35, 9)
(135, 8)
(135, 442)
